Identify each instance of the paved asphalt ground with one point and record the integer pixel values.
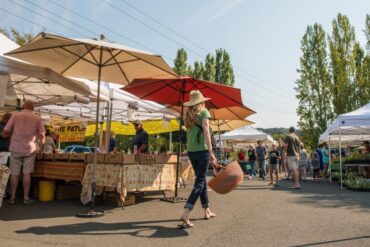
(253, 215)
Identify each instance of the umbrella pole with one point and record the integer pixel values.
(92, 212)
(176, 198)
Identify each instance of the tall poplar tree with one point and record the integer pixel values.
(343, 67)
(209, 72)
(224, 73)
(198, 70)
(313, 86)
(181, 63)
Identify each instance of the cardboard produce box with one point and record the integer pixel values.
(49, 156)
(114, 158)
(77, 156)
(67, 191)
(99, 159)
(129, 159)
(165, 158)
(114, 200)
(146, 159)
(61, 156)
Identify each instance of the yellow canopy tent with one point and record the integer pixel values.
(150, 126)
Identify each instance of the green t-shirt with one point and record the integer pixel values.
(195, 136)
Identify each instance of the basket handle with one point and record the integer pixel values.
(215, 167)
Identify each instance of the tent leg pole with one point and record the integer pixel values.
(330, 167)
(340, 157)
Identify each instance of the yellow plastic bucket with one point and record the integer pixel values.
(46, 191)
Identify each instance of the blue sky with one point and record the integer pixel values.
(262, 36)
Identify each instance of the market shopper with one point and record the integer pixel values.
(325, 159)
(141, 139)
(25, 128)
(274, 157)
(112, 142)
(303, 163)
(49, 146)
(200, 153)
(292, 150)
(252, 161)
(4, 141)
(261, 154)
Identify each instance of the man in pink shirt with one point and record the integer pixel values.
(24, 128)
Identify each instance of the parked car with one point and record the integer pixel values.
(78, 149)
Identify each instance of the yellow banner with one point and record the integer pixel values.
(70, 133)
(150, 126)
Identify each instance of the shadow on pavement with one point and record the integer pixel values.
(42, 210)
(327, 195)
(333, 241)
(145, 229)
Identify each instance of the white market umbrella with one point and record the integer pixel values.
(95, 60)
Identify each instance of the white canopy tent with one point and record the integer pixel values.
(20, 81)
(351, 128)
(247, 134)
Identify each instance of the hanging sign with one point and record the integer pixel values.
(70, 133)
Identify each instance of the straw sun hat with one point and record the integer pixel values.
(196, 97)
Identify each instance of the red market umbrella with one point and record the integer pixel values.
(174, 92)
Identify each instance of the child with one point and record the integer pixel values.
(315, 165)
(274, 156)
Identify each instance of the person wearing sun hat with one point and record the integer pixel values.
(141, 139)
(199, 151)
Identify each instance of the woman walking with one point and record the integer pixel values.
(252, 161)
(200, 153)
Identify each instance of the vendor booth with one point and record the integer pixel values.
(349, 129)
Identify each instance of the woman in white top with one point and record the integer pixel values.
(49, 146)
(303, 163)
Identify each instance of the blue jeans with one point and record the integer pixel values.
(252, 171)
(262, 168)
(200, 161)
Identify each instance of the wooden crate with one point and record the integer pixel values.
(165, 158)
(77, 157)
(48, 156)
(61, 156)
(129, 159)
(114, 200)
(67, 191)
(99, 159)
(146, 159)
(114, 158)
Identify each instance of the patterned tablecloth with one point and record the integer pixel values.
(4, 177)
(134, 177)
(71, 171)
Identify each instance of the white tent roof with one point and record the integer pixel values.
(247, 134)
(122, 102)
(354, 127)
(39, 84)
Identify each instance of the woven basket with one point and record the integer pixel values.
(227, 179)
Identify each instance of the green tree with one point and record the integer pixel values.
(209, 68)
(367, 32)
(361, 86)
(198, 70)
(342, 43)
(224, 73)
(313, 86)
(16, 36)
(181, 63)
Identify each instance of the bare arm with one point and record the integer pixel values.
(207, 137)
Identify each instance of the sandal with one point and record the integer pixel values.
(27, 202)
(185, 224)
(209, 216)
(270, 184)
(11, 202)
(295, 188)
